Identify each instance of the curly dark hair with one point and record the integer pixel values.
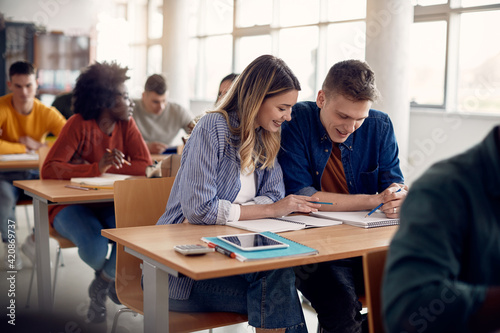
(96, 88)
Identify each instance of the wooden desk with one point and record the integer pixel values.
(154, 245)
(44, 193)
(18, 165)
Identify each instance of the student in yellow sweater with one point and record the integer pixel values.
(24, 124)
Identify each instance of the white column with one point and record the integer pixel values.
(175, 42)
(388, 24)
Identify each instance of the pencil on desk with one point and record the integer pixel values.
(321, 203)
(78, 187)
(123, 159)
(94, 187)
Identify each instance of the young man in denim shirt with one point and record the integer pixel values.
(341, 151)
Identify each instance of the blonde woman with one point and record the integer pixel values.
(229, 172)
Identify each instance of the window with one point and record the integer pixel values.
(462, 73)
(479, 63)
(427, 68)
(310, 36)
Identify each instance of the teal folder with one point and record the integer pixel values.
(293, 249)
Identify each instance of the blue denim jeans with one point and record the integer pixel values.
(9, 195)
(82, 225)
(333, 288)
(269, 298)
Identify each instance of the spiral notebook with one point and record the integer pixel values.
(294, 249)
(285, 223)
(358, 219)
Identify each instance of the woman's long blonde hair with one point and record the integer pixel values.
(265, 77)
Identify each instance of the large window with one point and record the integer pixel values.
(310, 35)
(455, 63)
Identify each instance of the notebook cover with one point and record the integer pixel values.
(293, 249)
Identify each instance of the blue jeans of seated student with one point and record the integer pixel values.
(9, 195)
(82, 225)
(269, 298)
(333, 288)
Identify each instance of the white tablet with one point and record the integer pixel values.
(252, 242)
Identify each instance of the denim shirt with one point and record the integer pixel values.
(369, 155)
(208, 181)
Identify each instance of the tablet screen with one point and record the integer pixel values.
(251, 242)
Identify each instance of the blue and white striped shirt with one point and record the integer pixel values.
(208, 181)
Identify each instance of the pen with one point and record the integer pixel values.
(124, 160)
(98, 187)
(79, 187)
(222, 250)
(375, 209)
(321, 203)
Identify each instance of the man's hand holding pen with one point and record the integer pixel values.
(392, 199)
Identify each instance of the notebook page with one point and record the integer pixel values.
(274, 225)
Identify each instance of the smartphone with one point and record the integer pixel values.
(252, 242)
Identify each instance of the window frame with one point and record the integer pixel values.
(451, 13)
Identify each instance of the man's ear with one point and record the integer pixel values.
(320, 99)
(9, 85)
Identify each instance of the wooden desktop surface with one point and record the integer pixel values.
(157, 242)
(55, 191)
(18, 165)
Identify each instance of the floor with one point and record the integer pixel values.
(71, 299)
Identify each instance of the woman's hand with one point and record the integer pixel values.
(111, 158)
(294, 203)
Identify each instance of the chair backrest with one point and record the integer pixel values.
(42, 154)
(373, 268)
(149, 198)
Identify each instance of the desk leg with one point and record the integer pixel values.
(155, 299)
(45, 301)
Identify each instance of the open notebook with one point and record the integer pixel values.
(106, 179)
(281, 224)
(358, 219)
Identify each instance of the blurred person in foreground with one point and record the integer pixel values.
(443, 268)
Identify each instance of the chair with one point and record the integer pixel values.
(62, 243)
(149, 197)
(373, 269)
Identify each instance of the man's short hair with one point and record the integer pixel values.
(156, 83)
(353, 79)
(21, 68)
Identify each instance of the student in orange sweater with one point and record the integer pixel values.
(101, 137)
(24, 124)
